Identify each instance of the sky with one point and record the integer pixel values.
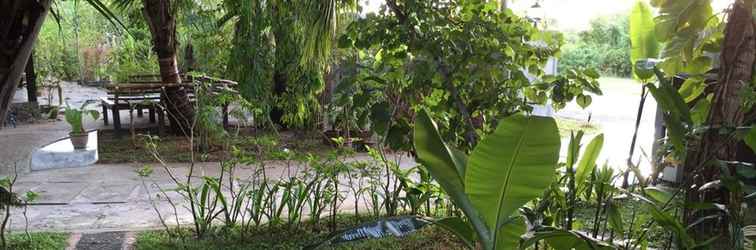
(569, 14)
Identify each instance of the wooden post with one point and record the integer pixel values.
(116, 113)
(105, 113)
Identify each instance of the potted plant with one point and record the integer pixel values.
(75, 117)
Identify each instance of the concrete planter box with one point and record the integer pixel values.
(61, 154)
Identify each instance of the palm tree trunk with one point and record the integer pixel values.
(20, 22)
(736, 72)
(159, 15)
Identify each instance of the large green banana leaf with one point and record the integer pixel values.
(510, 233)
(512, 166)
(588, 161)
(445, 165)
(643, 41)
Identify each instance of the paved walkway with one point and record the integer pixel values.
(17, 144)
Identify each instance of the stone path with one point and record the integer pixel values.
(102, 241)
(17, 144)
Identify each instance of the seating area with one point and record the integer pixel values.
(143, 93)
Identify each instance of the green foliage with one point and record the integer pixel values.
(487, 192)
(267, 51)
(447, 170)
(642, 37)
(53, 55)
(252, 51)
(528, 146)
(677, 114)
(78, 41)
(604, 47)
(688, 28)
(74, 117)
(200, 26)
(134, 56)
(38, 241)
(587, 162)
(750, 139)
(562, 89)
(283, 237)
(465, 61)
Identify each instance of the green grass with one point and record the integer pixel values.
(656, 235)
(282, 237)
(567, 125)
(39, 241)
(128, 149)
(124, 149)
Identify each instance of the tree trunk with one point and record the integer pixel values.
(31, 80)
(20, 22)
(736, 72)
(189, 57)
(159, 15)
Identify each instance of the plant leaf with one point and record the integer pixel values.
(574, 147)
(512, 166)
(615, 218)
(588, 161)
(433, 153)
(565, 240)
(584, 100)
(460, 228)
(460, 160)
(660, 197)
(692, 88)
(750, 139)
(700, 110)
(510, 233)
(642, 35)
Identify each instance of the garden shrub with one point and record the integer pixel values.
(604, 47)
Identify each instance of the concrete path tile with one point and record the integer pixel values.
(101, 241)
(60, 192)
(104, 192)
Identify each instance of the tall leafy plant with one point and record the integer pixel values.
(507, 169)
(643, 47)
(705, 137)
(643, 44)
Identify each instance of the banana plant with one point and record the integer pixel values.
(507, 169)
(644, 46)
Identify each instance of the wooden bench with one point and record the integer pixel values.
(144, 91)
(118, 100)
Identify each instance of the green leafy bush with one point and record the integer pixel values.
(605, 47)
(133, 56)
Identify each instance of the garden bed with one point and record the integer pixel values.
(307, 234)
(129, 149)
